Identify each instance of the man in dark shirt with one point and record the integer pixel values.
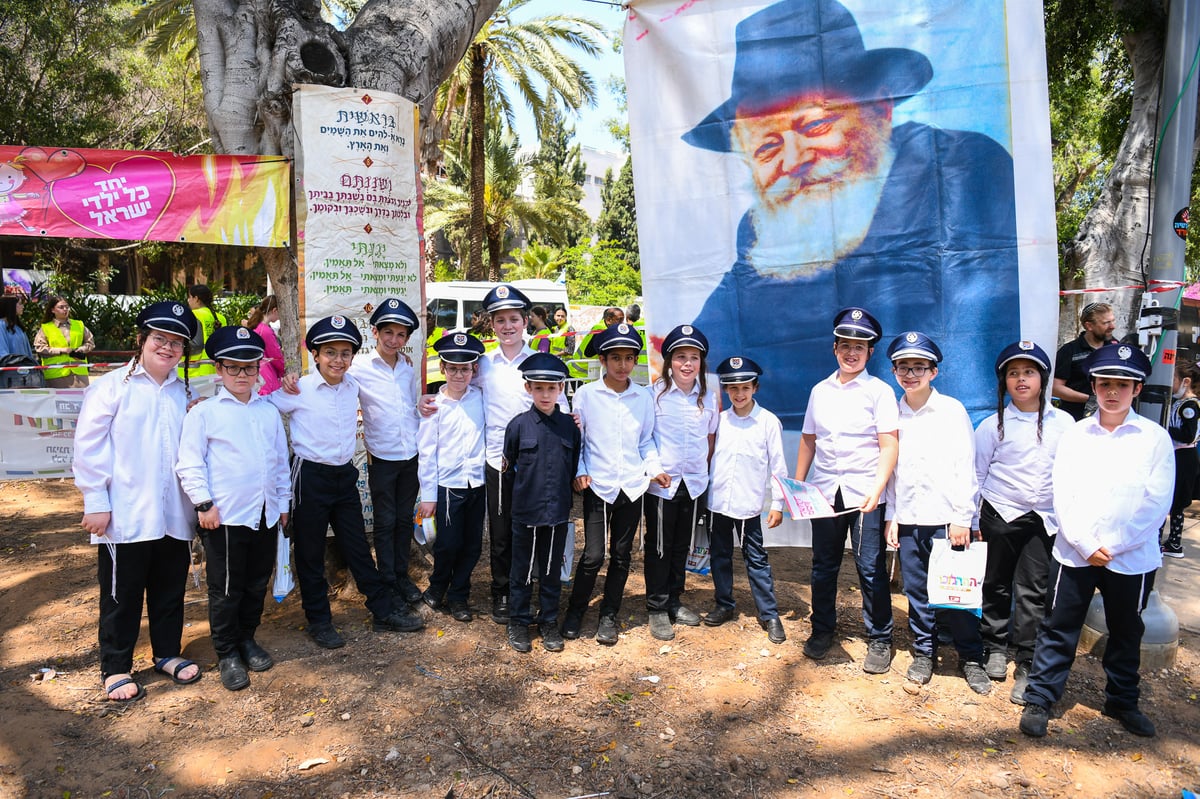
(1072, 387)
(541, 452)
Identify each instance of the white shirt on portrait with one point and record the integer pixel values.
(388, 398)
(450, 443)
(681, 431)
(618, 439)
(323, 416)
(934, 482)
(1014, 474)
(748, 453)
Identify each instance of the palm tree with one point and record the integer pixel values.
(526, 54)
(448, 202)
(535, 261)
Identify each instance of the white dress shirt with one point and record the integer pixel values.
(847, 420)
(1014, 474)
(618, 439)
(324, 418)
(504, 396)
(126, 446)
(1113, 490)
(388, 397)
(748, 454)
(681, 431)
(934, 482)
(235, 453)
(451, 444)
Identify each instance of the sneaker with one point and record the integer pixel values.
(977, 677)
(1131, 719)
(879, 657)
(684, 615)
(325, 636)
(518, 637)
(1172, 549)
(606, 632)
(233, 673)
(398, 621)
(996, 666)
(571, 624)
(921, 670)
(1034, 720)
(552, 640)
(818, 645)
(1020, 680)
(660, 626)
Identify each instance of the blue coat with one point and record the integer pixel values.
(940, 257)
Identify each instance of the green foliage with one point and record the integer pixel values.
(537, 261)
(618, 214)
(601, 274)
(558, 175)
(444, 271)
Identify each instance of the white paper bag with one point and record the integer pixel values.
(284, 580)
(955, 577)
(698, 556)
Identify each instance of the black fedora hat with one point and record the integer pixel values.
(798, 47)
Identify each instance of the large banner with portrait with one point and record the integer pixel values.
(792, 158)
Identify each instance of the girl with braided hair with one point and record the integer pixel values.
(126, 447)
(1014, 455)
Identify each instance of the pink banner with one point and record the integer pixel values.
(144, 196)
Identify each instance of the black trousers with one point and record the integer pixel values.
(669, 526)
(156, 570)
(394, 488)
(499, 511)
(618, 523)
(459, 541)
(1014, 582)
(327, 496)
(239, 565)
(537, 551)
(1071, 590)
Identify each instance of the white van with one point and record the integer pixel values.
(454, 302)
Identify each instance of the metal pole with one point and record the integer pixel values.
(1172, 190)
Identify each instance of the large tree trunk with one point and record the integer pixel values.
(475, 229)
(253, 51)
(1113, 241)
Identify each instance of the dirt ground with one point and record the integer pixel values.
(452, 712)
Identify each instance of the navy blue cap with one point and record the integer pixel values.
(394, 312)
(169, 316)
(914, 345)
(1118, 360)
(1023, 349)
(542, 367)
(732, 371)
(235, 343)
(614, 337)
(684, 336)
(856, 323)
(459, 348)
(331, 329)
(503, 297)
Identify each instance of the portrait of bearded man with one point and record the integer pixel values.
(914, 222)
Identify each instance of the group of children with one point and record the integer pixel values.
(498, 441)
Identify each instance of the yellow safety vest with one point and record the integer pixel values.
(207, 325)
(54, 338)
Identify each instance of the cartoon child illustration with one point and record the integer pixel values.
(12, 175)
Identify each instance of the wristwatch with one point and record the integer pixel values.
(204, 507)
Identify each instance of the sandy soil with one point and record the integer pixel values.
(452, 712)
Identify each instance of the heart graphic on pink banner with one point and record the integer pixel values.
(123, 200)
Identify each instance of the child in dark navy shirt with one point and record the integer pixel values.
(541, 451)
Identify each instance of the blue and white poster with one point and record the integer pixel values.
(796, 157)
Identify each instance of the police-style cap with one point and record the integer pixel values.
(732, 371)
(914, 345)
(234, 343)
(856, 323)
(459, 348)
(331, 329)
(620, 335)
(169, 317)
(542, 367)
(1118, 360)
(684, 336)
(503, 297)
(394, 312)
(1023, 349)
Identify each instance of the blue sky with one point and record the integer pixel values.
(590, 129)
